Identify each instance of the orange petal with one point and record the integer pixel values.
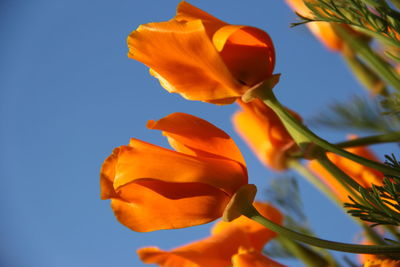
(155, 255)
(363, 175)
(366, 176)
(187, 12)
(367, 257)
(247, 51)
(141, 160)
(326, 34)
(252, 258)
(149, 205)
(299, 7)
(322, 30)
(265, 134)
(195, 136)
(258, 234)
(329, 180)
(215, 250)
(107, 174)
(382, 263)
(183, 57)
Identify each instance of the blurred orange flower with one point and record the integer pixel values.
(252, 258)
(221, 246)
(201, 57)
(322, 30)
(154, 188)
(264, 132)
(363, 175)
(382, 263)
(363, 258)
(257, 234)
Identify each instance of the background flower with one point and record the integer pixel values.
(252, 258)
(224, 242)
(322, 30)
(264, 132)
(363, 175)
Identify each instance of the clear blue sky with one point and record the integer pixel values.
(69, 95)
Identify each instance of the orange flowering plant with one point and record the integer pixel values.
(204, 176)
(364, 175)
(188, 186)
(252, 258)
(265, 133)
(219, 249)
(324, 31)
(203, 58)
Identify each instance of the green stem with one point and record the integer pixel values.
(396, 3)
(314, 180)
(375, 62)
(253, 214)
(363, 73)
(304, 136)
(371, 140)
(305, 254)
(351, 186)
(305, 172)
(393, 231)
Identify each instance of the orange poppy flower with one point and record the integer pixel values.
(367, 257)
(382, 263)
(363, 175)
(219, 248)
(264, 132)
(257, 233)
(154, 188)
(322, 30)
(253, 258)
(201, 57)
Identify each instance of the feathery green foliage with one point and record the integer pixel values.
(383, 202)
(357, 114)
(374, 17)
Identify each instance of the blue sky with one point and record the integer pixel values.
(69, 95)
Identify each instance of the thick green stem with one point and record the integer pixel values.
(375, 62)
(306, 173)
(371, 140)
(304, 136)
(309, 257)
(253, 214)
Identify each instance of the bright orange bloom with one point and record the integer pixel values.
(322, 30)
(253, 258)
(218, 249)
(382, 263)
(367, 257)
(203, 58)
(363, 175)
(257, 233)
(264, 132)
(154, 188)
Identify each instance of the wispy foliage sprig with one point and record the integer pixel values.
(359, 113)
(284, 192)
(391, 105)
(381, 203)
(374, 17)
